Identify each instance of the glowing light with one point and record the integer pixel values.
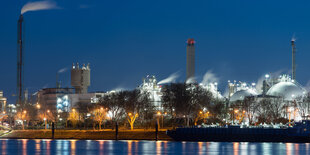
(267, 76)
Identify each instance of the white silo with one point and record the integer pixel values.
(80, 78)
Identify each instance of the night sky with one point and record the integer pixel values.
(125, 40)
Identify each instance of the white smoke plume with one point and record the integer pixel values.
(190, 80)
(209, 77)
(259, 84)
(62, 70)
(307, 87)
(39, 5)
(118, 89)
(170, 79)
(293, 38)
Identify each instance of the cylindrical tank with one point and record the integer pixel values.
(80, 78)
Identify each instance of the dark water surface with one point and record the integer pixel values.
(51, 147)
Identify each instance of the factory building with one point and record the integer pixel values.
(64, 99)
(282, 91)
(2, 101)
(190, 60)
(151, 86)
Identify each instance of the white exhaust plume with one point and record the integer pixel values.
(39, 5)
(209, 77)
(259, 84)
(293, 38)
(190, 80)
(170, 79)
(308, 86)
(62, 70)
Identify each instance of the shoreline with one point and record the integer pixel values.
(86, 135)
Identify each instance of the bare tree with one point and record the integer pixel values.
(74, 117)
(99, 115)
(185, 101)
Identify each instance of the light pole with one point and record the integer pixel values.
(158, 115)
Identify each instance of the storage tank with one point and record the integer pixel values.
(80, 78)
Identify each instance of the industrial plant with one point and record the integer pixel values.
(282, 92)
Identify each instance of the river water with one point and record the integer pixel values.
(66, 147)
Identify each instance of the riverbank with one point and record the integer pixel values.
(86, 134)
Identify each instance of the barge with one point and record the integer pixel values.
(298, 133)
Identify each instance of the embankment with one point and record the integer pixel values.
(86, 134)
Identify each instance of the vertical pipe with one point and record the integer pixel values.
(190, 59)
(293, 60)
(20, 62)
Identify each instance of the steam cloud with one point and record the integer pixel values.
(293, 38)
(170, 79)
(39, 5)
(259, 84)
(190, 80)
(209, 77)
(62, 70)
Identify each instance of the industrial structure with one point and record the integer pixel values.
(284, 91)
(190, 60)
(60, 99)
(80, 78)
(20, 61)
(3, 101)
(293, 59)
(151, 86)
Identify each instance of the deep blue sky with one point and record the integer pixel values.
(126, 40)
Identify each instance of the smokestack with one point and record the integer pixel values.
(20, 61)
(293, 59)
(190, 59)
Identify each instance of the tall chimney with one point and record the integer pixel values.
(293, 59)
(20, 61)
(190, 59)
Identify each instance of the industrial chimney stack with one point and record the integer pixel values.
(20, 61)
(293, 60)
(190, 59)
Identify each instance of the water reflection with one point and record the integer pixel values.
(289, 148)
(296, 146)
(4, 143)
(129, 146)
(38, 146)
(73, 146)
(158, 147)
(236, 148)
(25, 147)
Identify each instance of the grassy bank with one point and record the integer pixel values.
(86, 134)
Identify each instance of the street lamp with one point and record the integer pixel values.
(158, 115)
(38, 106)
